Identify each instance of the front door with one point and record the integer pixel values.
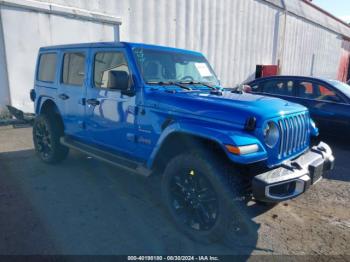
(110, 114)
(71, 91)
(281, 88)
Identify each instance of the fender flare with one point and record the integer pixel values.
(41, 100)
(219, 136)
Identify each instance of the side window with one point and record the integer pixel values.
(327, 95)
(256, 87)
(279, 87)
(73, 69)
(47, 67)
(269, 87)
(290, 88)
(324, 91)
(106, 65)
(317, 92)
(306, 90)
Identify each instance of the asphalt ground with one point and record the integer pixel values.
(84, 206)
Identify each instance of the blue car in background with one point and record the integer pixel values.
(327, 100)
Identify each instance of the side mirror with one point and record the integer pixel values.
(118, 80)
(247, 88)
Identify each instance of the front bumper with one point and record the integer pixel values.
(294, 177)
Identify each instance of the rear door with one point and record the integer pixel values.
(72, 91)
(325, 104)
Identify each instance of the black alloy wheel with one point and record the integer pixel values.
(204, 201)
(194, 200)
(47, 132)
(43, 140)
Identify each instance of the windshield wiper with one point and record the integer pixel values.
(214, 90)
(199, 83)
(169, 83)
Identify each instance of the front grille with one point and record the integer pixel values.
(294, 131)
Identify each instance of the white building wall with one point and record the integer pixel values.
(24, 32)
(235, 35)
(27, 26)
(4, 90)
(310, 49)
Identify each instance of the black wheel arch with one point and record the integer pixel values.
(49, 108)
(179, 142)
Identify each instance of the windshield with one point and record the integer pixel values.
(344, 88)
(157, 66)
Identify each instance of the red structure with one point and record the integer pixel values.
(344, 65)
(266, 70)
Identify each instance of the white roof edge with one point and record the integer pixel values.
(308, 12)
(61, 10)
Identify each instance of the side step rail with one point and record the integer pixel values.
(107, 157)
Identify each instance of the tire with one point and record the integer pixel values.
(225, 188)
(46, 136)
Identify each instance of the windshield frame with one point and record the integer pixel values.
(175, 51)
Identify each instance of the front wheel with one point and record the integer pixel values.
(46, 137)
(201, 197)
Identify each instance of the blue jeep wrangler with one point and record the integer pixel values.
(149, 108)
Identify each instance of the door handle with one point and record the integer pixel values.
(93, 102)
(63, 96)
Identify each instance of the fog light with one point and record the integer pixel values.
(286, 190)
(283, 189)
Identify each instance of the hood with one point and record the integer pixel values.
(230, 107)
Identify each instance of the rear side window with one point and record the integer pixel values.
(47, 67)
(324, 91)
(317, 92)
(73, 69)
(105, 63)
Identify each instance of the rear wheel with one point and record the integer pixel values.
(203, 199)
(46, 136)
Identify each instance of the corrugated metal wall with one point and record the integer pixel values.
(310, 49)
(24, 32)
(235, 35)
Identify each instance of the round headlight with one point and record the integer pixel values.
(271, 134)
